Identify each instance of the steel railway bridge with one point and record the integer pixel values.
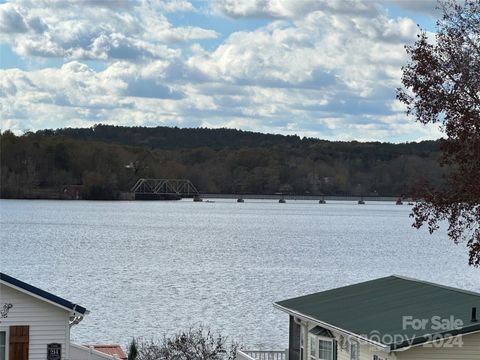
(164, 189)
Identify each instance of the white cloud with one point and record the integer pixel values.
(101, 30)
(14, 20)
(176, 5)
(321, 51)
(291, 8)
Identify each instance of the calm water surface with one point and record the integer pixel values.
(149, 268)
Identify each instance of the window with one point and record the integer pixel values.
(354, 350)
(325, 349)
(321, 344)
(3, 345)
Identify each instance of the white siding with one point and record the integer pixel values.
(469, 350)
(79, 352)
(48, 323)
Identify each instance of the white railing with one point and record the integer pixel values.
(262, 355)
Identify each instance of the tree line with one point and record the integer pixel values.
(107, 160)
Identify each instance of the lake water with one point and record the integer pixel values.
(149, 268)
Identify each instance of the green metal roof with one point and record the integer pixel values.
(375, 310)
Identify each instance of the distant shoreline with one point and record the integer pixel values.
(304, 197)
(129, 197)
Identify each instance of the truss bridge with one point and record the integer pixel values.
(164, 189)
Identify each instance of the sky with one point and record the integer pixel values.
(315, 68)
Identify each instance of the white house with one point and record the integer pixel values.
(392, 318)
(35, 324)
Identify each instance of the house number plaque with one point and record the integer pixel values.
(54, 351)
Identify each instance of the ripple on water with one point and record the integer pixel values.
(146, 268)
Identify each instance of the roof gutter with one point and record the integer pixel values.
(328, 326)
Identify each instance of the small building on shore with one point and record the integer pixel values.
(35, 325)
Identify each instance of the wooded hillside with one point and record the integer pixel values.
(108, 159)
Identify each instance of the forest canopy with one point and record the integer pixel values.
(107, 160)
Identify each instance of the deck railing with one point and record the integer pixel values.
(262, 355)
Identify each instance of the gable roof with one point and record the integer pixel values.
(375, 310)
(67, 305)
